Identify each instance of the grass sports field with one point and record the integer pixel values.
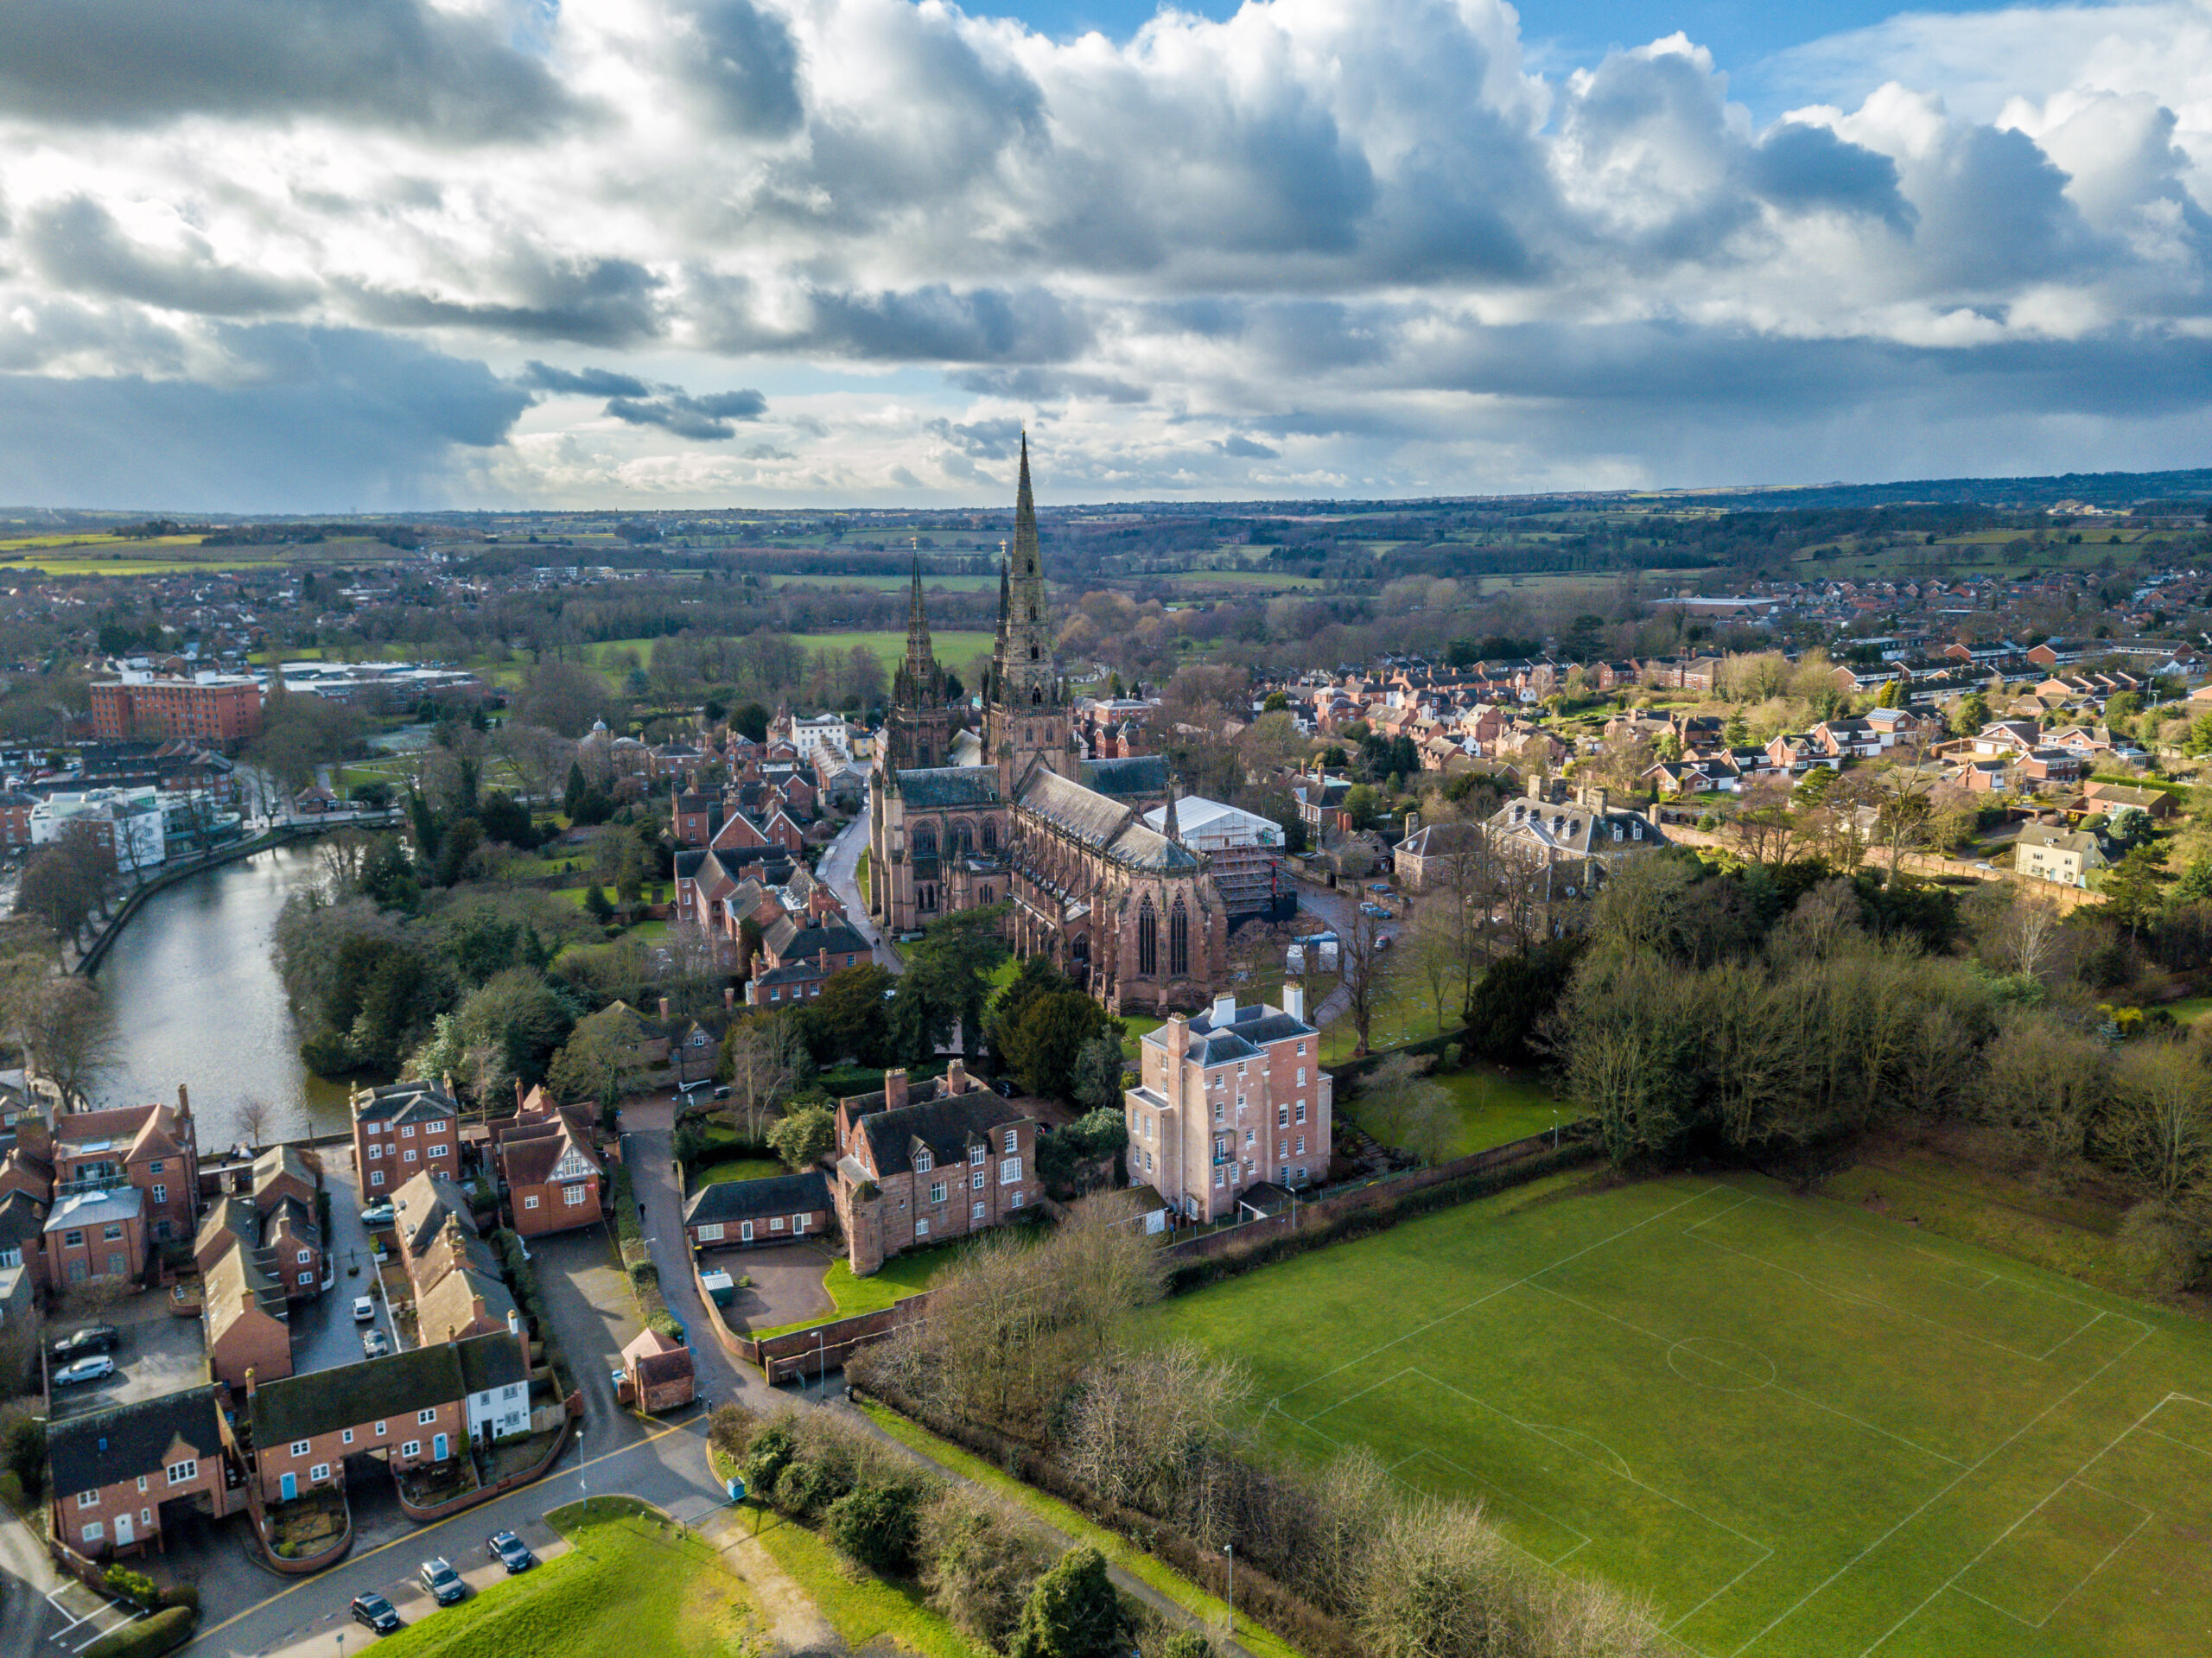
(1800, 1429)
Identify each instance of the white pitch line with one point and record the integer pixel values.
(1940, 1493)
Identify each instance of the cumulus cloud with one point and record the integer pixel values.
(437, 72)
(1365, 226)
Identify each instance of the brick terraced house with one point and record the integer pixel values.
(944, 1159)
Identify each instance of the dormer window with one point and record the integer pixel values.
(924, 1162)
(976, 1154)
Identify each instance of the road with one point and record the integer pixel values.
(840, 869)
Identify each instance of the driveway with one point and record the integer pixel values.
(787, 1284)
(159, 1354)
(593, 1316)
(324, 1333)
(648, 1148)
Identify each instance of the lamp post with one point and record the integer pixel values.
(583, 1485)
(1230, 1550)
(821, 1367)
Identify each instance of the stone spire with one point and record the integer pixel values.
(1171, 828)
(919, 682)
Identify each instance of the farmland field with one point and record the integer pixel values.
(1796, 1428)
(954, 650)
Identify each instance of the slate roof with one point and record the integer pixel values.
(788, 939)
(1135, 775)
(416, 1102)
(950, 787)
(374, 1390)
(529, 1156)
(232, 1215)
(23, 1218)
(85, 1452)
(96, 1208)
(1138, 847)
(726, 1201)
(489, 1362)
(420, 1208)
(945, 1126)
(1091, 818)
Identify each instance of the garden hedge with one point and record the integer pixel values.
(146, 1637)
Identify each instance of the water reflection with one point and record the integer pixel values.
(196, 999)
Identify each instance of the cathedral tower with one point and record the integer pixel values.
(1025, 713)
(918, 731)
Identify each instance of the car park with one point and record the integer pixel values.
(365, 1309)
(376, 1612)
(86, 1369)
(510, 1551)
(93, 1338)
(378, 1214)
(374, 1342)
(444, 1583)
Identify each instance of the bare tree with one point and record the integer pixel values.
(253, 1114)
(340, 858)
(2160, 1124)
(1361, 948)
(1766, 825)
(756, 1062)
(1400, 1106)
(67, 1037)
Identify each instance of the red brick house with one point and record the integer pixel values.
(410, 1409)
(552, 1175)
(736, 1214)
(97, 1232)
(248, 1324)
(797, 959)
(942, 1159)
(118, 1479)
(659, 1371)
(402, 1130)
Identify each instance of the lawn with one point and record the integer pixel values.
(1072, 1523)
(743, 1168)
(1795, 1428)
(955, 650)
(632, 1584)
(861, 1607)
(1493, 1109)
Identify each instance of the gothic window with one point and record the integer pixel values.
(1179, 943)
(925, 842)
(964, 841)
(990, 834)
(1036, 696)
(1147, 941)
(1032, 653)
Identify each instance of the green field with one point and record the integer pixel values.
(1797, 1429)
(954, 650)
(632, 1584)
(891, 583)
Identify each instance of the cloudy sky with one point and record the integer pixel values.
(326, 255)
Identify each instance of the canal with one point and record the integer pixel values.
(194, 997)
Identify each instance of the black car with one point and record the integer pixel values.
(376, 1612)
(511, 1551)
(92, 1338)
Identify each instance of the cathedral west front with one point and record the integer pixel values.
(961, 819)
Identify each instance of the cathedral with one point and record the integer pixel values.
(1014, 814)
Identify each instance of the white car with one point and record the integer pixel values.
(94, 1368)
(364, 1310)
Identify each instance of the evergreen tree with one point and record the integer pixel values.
(1071, 1612)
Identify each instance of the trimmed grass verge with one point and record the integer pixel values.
(633, 1583)
(1079, 1527)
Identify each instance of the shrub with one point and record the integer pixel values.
(23, 1450)
(766, 1459)
(165, 1632)
(978, 1565)
(803, 1490)
(1186, 1644)
(134, 1586)
(1072, 1612)
(182, 1594)
(729, 1430)
(878, 1526)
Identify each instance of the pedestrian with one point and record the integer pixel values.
(641, 1211)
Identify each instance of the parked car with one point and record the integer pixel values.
(374, 1342)
(378, 1214)
(1378, 886)
(365, 1309)
(1374, 910)
(91, 1370)
(443, 1582)
(511, 1551)
(376, 1612)
(721, 1091)
(92, 1338)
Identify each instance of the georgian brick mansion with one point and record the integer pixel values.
(961, 819)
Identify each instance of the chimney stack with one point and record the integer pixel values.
(729, 997)
(1294, 1001)
(184, 1102)
(1225, 1010)
(956, 1077)
(664, 1010)
(894, 1088)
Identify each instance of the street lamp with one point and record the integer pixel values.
(821, 1367)
(1229, 1549)
(583, 1489)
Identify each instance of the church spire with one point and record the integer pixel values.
(1170, 829)
(1025, 518)
(918, 679)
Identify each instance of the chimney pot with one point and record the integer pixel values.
(895, 1089)
(664, 1010)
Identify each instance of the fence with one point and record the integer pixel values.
(794, 1352)
(1379, 1193)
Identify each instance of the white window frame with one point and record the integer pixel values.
(530, 1200)
(424, 1418)
(798, 1222)
(412, 1448)
(302, 1447)
(1010, 1171)
(1013, 1141)
(320, 1471)
(346, 1437)
(937, 1193)
(975, 1211)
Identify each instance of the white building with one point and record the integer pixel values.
(823, 731)
(128, 824)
